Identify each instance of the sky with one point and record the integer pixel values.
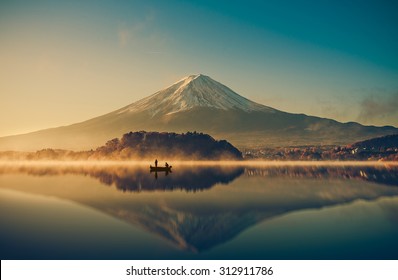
(63, 62)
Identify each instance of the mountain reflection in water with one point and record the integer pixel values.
(198, 222)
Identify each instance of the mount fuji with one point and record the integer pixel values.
(196, 91)
(199, 103)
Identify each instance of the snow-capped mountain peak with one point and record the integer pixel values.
(192, 92)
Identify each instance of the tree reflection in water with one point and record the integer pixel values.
(135, 178)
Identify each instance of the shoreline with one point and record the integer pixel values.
(238, 163)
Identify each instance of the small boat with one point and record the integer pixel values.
(160, 168)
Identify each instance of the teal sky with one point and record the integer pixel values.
(63, 62)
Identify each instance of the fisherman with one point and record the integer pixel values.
(167, 165)
(156, 163)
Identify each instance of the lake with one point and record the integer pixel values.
(199, 211)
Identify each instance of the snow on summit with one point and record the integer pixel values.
(192, 92)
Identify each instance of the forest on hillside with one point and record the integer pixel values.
(143, 145)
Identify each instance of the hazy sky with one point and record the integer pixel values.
(63, 62)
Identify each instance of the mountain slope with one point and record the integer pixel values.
(199, 103)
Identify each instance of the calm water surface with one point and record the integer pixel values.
(53, 211)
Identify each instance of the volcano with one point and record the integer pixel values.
(199, 103)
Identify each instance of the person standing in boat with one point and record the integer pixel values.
(167, 165)
(156, 163)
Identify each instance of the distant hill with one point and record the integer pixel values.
(200, 103)
(381, 148)
(379, 143)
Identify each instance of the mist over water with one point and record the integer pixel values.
(121, 210)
